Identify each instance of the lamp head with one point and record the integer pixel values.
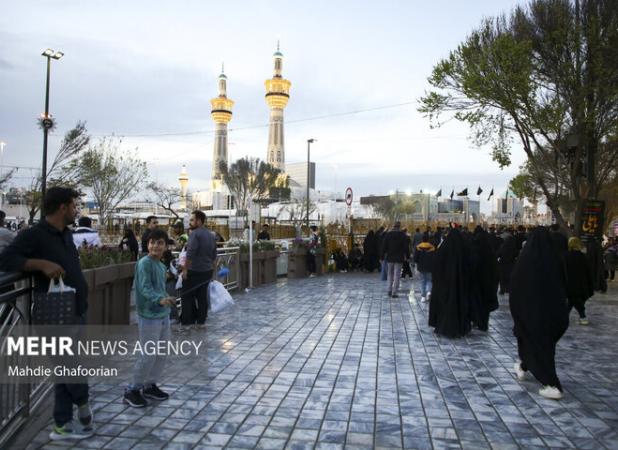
(49, 52)
(311, 141)
(58, 55)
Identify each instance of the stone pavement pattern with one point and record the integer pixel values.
(331, 362)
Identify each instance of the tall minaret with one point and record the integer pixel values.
(277, 96)
(183, 180)
(221, 114)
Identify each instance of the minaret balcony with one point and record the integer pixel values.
(221, 115)
(278, 85)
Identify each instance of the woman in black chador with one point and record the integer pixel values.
(483, 279)
(539, 308)
(507, 254)
(449, 308)
(370, 251)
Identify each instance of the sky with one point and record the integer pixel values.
(144, 71)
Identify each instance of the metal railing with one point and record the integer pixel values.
(17, 401)
(229, 257)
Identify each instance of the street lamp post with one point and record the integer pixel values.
(47, 122)
(309, 142)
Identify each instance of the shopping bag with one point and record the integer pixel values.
(219, 297)
(56, 306)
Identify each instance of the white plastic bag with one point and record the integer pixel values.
(219, 297)
(59, 287)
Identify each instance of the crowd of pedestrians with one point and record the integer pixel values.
(462, 275)
(542, 273)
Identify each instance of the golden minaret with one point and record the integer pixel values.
(183, 180)
(221, 114)
(277, 96)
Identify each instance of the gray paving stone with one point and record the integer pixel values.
(330, 362)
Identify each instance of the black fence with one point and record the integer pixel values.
(17, 401)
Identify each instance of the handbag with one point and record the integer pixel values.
(219, 297)
(56, 306)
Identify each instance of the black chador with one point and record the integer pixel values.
(449, 308)
(579, 279)
(538, 305)
(483, 279)
(507, 254)
(370, 251)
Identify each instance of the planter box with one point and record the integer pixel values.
(264, 268)
(297, 262)
(109, 294)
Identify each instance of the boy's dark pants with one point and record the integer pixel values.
(65, 396)
(195, 301)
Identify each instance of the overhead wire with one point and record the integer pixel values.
(250, 127)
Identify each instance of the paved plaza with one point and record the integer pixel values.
(331, 362)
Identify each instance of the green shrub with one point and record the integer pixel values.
(93, 257)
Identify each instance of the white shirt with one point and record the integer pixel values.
(90, 236)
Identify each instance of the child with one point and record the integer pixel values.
(153, 310)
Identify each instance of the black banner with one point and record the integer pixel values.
(592, 220)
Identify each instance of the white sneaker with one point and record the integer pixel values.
(423, 300)
(521, 374)
(584, 321)
(550, 392)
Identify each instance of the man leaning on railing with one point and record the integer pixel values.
(47, 250)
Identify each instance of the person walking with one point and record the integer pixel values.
(538, 304)
(579, 279)
(380, 234)
(610, 255)
(483, 279)
(423, 258)
(370, 251)
(48, 252)
(417, 238)
(449, 308)
(151, 224)
(507, 254)
(197, 272)
(406, 269)
(395, 250)
(128, 243)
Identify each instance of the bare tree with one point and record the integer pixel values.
(296, 210)
(166, 197)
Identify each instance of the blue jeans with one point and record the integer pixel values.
(148, 368)
(383, 271)
(425, 283)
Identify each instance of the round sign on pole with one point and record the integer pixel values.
(348, 196)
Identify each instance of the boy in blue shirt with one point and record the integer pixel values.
(153, 311)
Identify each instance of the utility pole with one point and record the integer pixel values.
(309, 142)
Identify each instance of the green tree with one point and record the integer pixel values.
(63, 170)
(252, 180)
(112, 175)
(533, 77)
